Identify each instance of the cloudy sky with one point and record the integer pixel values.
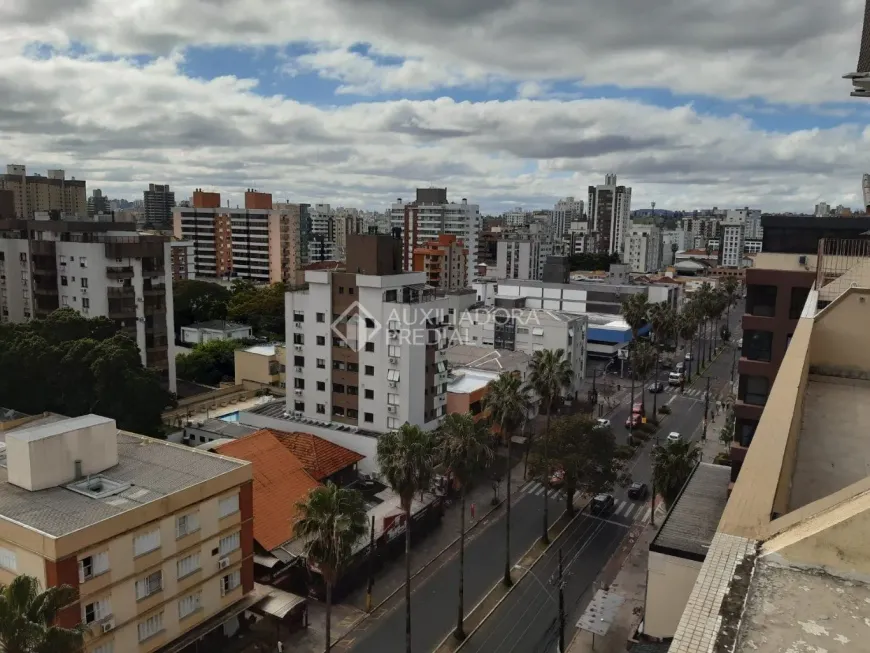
(693, 103)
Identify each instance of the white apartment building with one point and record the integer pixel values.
(322, 236)
(100, 269)
(515, 217)
(577, 239)
(609, 213)
(643, 249)
(522, 258)
(733, 237)
(365, 349)
(823, 210)
(566, 212)
(528, 331)
(430, 215)
(673, 241)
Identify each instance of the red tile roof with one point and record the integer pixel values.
(321, 458)
(280, 480)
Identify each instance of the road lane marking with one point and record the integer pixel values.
(646, 515)
(619, 509)
(528, 486)
(629, 510)
(539, 490)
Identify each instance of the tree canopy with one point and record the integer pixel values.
(73, 365)
(210, 362)
(260, 307)
(673, 463)
(198, 301)
(28, 614)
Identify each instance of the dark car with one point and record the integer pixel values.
(638, 491)
(601, 504)
(655, 387)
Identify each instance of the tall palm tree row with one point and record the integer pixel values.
(331, 521)
(635, 312)
(687, 326)
(406, 458)
(550, 374)
(729, 288)
(663, 319)
(28, 614)
(464, 448)
(644, 355)
(507, 403)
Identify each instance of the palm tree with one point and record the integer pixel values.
(673, 463)
(687, 325)
(644, 355)
(28, 615)
(729, 288)
(507, 402)
(635, 312)
(464, 447)
(704, 302)
(549, 375)
(331, 521)
(664, 323)
(406, 458)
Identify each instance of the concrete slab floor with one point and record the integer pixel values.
(834, 446)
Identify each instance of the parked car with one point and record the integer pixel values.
(675, 378)
(601, 504)
(688, 355)
(633, 421)
(638, 491)
(603, 423)
(673, 436)
(656, 386)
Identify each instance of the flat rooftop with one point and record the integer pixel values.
(153, 468)
(691, 524)
(261, 350)
(797, 611)
(487, 358)
(216, 325)
(223, 428)
(468, 380)
(834, 445)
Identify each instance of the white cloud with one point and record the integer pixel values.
(121, 125)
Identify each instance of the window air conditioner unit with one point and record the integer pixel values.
(391, 409)
(298, 391)
(392, 384)
(298, 325)
(394, 361)
(298, 347)
(223, 563)
(108, 625)
(299, 369)
(84, 291)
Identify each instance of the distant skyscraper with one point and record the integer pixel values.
(609, 214)
(159, 202)
(865, 187)
(565, 212)
(97, 203)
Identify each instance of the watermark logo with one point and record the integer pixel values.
(356, 326)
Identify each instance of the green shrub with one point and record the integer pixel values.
(623, 452)
(665, 409)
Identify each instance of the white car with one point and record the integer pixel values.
(673, 436)
(603, 423)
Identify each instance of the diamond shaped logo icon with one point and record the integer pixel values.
(353, 326)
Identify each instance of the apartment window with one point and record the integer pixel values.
(299, 384)
(394, 351)
(151, 584)
(96, 611)
(228, 505)
(8, 559)
(299, 361)
(230, 582)
(338, 387)
(84, 281)
(321, 409)
(86, 303)
(370, 346)
(370, 323)
(321, 340)
(370, 370)
(368, 417)
(146, 542)
(745, 431)
(353, 367)
(341, 290)
(393, 399)
(339, 365)
(229, 543)
(321, 363)
(151, 626)
(298, 317)
(188, 565)
(369, 394)
(761, 300)
(796, 302)
(83, 261)
(63, 281)
(189, 604)
(321, 317)
(392, 423)
(321, 386)
(93, 565)
(353, 413)
(186, 524)
(754, 389)
(298, 339)
(393, 375)
(757, 345)
(338, 410)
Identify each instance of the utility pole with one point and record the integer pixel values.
(561, 607)
(371, 584)
(706, 410)
(656, 383)
(733, 360)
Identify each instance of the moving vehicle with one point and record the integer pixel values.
(601, 504)
(681, 367)
(603, 423)
(688, 355)
(638, 491)
(673, 436)
(638, 409)
(633, 421)
(655, 387)
(675, 378)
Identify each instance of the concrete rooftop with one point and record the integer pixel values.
(834, 445)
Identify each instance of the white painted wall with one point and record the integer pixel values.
(669, 583)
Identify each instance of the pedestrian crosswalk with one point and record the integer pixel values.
(638, 511)
(694, 393)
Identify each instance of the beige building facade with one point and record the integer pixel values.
(54, 192)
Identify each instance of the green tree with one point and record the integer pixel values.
(729, 288)
(28, 618)
(663, 319)
(198, 301)
(550, 374)
(331, 521)
(635, 312)
(260, 307)
(210, 362)
(507, 403)
(687, 326)
(673, 463)
(464, 447)
(406, 458)
(586, 454)
(644, 355)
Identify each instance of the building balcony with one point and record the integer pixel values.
(123, 291)
(45, 290)
(114, 272)
(157, 290)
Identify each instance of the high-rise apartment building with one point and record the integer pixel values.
(523, 256)
(643, 248)
(824, 210)
(366, 345)
(97, 203)
(445, 262)
(53, 192)
(731, 247)
(322, 235)
(258, 244)
(609, 215)
(515, 217)
(431, 215)
(97, 268)
(156, 538)
(566, 211)
(346, 223)
(159, 201)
